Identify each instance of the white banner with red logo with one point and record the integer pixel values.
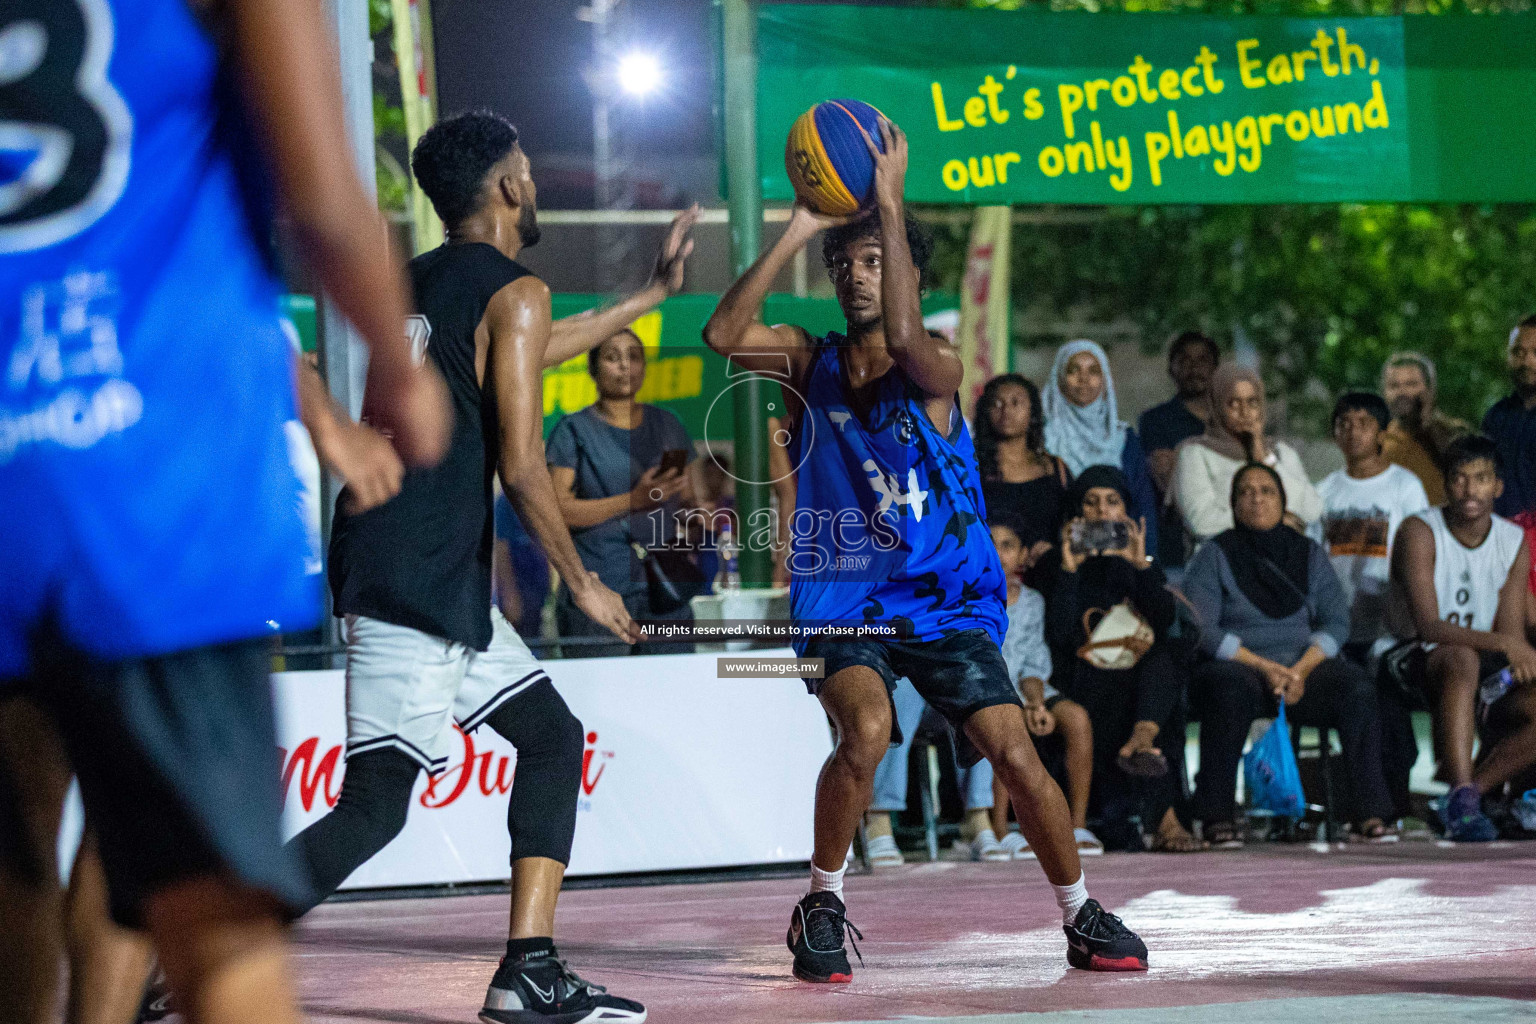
(681, 770)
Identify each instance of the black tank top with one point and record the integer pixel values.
(1035, 505)
(423, 559)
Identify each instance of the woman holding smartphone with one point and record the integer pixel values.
(1108, 612)
(621, 474)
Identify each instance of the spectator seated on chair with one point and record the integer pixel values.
(1104, 589)
(1060, 727)
(976, 786)
(1274, 619)
(1458, 603)
(1234, 436)
(1363, 505)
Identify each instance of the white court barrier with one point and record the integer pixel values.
(680, 770)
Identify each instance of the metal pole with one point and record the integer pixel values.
(413, 29)
(745, 203)
(343, 357)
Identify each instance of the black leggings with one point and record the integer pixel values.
(1339, 695)
(1152, 691)
(376, 793)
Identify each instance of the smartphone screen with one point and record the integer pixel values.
(674, 459)
(1101, 535)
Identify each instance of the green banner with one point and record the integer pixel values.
(681, 373)
(1031, 107)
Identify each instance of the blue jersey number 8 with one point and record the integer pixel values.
(65, 132)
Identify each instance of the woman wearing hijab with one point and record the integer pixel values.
(1135, 711)
(1234, 435)
(1083, 426)
(1274, 618)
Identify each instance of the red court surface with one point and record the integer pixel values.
(1405, 934)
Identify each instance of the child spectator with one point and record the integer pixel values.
(1363, 505)
(1049, 715)
(1458, 600)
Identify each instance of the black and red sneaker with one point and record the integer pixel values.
(817, 930)
(1100, 941)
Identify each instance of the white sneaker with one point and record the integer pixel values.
(1017, 847)
(986, 847)
(1088, 844)
(883, 852)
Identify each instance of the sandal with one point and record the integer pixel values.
(1180, 842)
(1144, 765)
(1224, 835)
(1375, 831)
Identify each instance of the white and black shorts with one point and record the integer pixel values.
(406, 688)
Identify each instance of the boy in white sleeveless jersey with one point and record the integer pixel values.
(1459, 599)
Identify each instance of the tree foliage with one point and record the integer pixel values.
(1324, 292)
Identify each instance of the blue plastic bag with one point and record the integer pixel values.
(1270, 773)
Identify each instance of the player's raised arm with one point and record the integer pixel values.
(287, 66)
(517, 319)
(575, 335)
(733, 330)
(930, 361)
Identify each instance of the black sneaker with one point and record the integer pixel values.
(541, 989)
(817, 930)
(1098, 941)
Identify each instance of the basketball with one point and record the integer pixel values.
(828, 162)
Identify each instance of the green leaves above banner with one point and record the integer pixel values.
(1030, 107)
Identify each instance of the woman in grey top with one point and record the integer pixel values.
(1273, 618)
(615, 496)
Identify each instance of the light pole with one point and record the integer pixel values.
(612, 189)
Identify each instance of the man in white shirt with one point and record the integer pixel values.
(1459, 597)
(1363, 505)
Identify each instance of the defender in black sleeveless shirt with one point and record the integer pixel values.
(425, 647)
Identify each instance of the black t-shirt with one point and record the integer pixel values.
(1164, 426)
(423, 559)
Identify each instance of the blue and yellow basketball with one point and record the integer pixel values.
(828, 162)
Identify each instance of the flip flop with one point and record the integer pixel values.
(1144, 765)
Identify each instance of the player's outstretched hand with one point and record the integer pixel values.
(365, 459)
(891, 165)
(606, 608)
(672, 259)
(410, 406)
(804, 222)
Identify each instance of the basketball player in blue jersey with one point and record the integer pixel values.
(890, 531)
(148, 504)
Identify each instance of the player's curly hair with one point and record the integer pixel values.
(919, 241)
(452, 158)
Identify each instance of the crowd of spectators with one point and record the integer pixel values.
(1183, 569)
(1236, 583)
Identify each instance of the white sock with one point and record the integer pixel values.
(832, 881)
(1070, 898)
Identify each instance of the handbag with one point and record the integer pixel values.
(1270, 773)
(671, 578)
(1119, 640)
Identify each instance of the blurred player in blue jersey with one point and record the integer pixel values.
(148, 506)
(890, 531)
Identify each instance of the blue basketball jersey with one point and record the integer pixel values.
(889, 523)
(147, 498)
